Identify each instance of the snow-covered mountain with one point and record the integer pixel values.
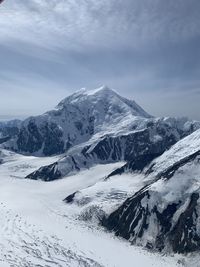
(75, 120)
(135, 174)
(96, 127)
(165, 213)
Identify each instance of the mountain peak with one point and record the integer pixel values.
(104, 89)
(83, 92)
(103, 98)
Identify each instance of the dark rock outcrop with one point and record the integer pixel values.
(47, 138)
(8, 130)
(159, 216)
(138, 149)
(136, 217)
(46, 173)
(70, 198)
(138, 164)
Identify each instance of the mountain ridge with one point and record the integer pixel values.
(164, 214)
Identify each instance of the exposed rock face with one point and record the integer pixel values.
(140, 223)
(165, 214)
(70, 198)
(47, 138)
(185, 235)
(47, 174)
(8, 130)
(137, 164)
(138, 148)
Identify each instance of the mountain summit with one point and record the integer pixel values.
(105, 101)
(75, 120)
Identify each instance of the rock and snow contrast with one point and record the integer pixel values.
(95, 127)
(165, 213)
(99, 162)
(90, 116)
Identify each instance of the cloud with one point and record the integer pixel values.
(148, 49)
(105, 23)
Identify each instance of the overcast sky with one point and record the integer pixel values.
(147, 50)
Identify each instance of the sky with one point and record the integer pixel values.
(147, 50)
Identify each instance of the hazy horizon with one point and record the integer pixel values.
(6, 117)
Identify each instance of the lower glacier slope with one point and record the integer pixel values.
(37, 228)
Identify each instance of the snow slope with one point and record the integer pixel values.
(165, 214)
(38, 229)
(182, 149)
